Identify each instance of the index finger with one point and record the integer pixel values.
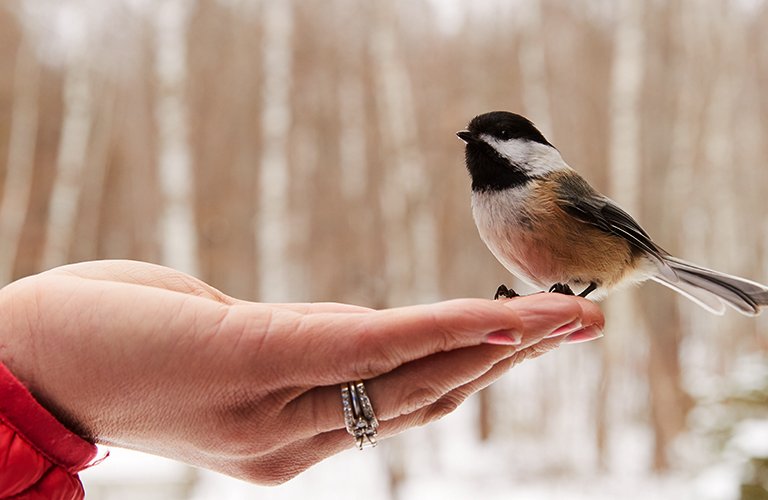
(344, 347)
(538, 312)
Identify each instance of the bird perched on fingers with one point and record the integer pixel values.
(553, 230)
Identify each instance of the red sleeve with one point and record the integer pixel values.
(39, 457)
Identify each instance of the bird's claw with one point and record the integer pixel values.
(561, 288)
(504, 292)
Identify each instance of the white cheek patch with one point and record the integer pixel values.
(531, 157)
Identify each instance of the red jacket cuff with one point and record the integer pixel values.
(23, 414)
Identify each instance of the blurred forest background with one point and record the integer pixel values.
(305, 151)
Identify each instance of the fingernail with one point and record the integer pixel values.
(504, 337)
(584, 335)
(566, 329)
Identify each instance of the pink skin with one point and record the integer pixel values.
(141, 356)
(573, 326)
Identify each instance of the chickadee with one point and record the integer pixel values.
(549, 227)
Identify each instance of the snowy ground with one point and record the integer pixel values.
(442, 461)
(536, 452)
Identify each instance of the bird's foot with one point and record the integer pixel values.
(591, 288)
(504, 292)
(561, 288)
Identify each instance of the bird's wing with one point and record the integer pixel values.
(582, 202)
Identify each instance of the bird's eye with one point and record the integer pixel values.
(504, 134)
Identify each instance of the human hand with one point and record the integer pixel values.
(144, 357)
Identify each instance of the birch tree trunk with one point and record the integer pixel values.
(719, 144)
(71, 159)
(275, 269)
(761, 324)
(354, 147)
(533, 66)
(727, 237)
(85, 244)
(409, 226)
(670, 404)
(178, 232)
(624, 180)
(21, 157)
(352, 140)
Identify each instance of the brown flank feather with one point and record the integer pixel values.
(605, 261)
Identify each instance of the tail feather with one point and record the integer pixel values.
(703, 298)
(711, 289)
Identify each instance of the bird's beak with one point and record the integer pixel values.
(466, 136)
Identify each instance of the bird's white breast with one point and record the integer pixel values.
(502, 221)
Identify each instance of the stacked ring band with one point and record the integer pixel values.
(359, 417)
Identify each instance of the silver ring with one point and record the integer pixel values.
(359, 418)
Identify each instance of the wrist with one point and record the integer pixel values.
(21, 342)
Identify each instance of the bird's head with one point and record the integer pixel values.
(505, 149)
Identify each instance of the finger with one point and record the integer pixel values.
(322, 349)
(365, 346)
(538, 312)
(452, 399)
(404, 390)
(421, 382)
(287, 462)
(410, 387)
(343, 347)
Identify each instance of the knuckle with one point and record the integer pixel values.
(540, 348)
(370, 366)
(448, 338)
(374, 358)
(519, 357)
(443, 406)
(417, 399)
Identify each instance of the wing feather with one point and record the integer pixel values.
(577, 198)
